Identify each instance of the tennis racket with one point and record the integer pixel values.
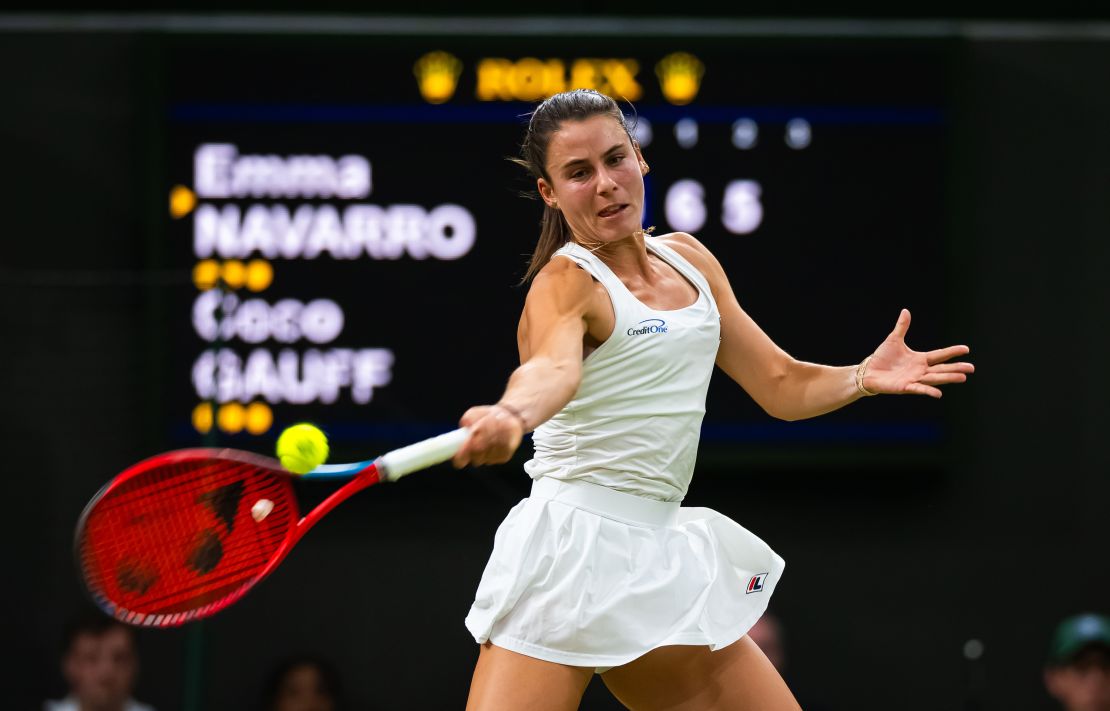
(183, 535)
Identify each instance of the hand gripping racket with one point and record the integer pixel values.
(182, 535)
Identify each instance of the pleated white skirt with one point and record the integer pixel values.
(584, 575)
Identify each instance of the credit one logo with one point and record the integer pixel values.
(651, 325)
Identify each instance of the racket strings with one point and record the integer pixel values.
(155, 486)
(181, 536)
(212, 587)
(151, 497)
(237, 565)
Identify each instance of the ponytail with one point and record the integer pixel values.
(554, 233)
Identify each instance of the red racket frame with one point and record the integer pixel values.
(150, 484)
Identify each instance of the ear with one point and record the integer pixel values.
(546, 192)
(644, 168)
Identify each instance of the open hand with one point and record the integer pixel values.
(895, 369)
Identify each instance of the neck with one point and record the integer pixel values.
(625, 256)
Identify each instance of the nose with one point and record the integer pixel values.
(605, 182)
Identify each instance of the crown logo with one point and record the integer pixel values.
(680, 76)
(437, 74)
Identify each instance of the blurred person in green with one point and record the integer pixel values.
(1078, 670)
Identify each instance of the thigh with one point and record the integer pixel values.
(507, 680)
(687, 678)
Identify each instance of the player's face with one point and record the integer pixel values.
(597, 179)
(101, 668)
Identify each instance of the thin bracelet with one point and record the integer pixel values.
(515, 413)
(860, 371)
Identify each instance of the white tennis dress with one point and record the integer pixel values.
(601, 564)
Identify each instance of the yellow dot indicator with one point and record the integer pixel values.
(182, 201)
(260, 274)
(206, 273)
(259, 418)
(202, 417)
(233, 273)
(230, 417)
(680, 76)
(437, 74)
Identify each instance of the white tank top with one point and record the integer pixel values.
(634, 422)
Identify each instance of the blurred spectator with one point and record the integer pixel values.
(767, 633)
(1078, 670)
(100, 664)
(303, 683)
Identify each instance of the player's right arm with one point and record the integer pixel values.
(557, 312)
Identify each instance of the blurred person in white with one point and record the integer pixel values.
(100, 664)
(1078, 670)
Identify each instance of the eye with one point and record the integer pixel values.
(616, 158)
(578, 174)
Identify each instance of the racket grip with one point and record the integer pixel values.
(417, 456)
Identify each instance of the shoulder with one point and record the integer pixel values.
(687, 245)
(562, 284)
(693, 251)
(561, 272)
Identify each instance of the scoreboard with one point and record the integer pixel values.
(356, 234)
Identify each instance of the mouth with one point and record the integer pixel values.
(612, 211)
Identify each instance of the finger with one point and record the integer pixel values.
(465, 455)
(495, 457)
(462, 456)
(920, 389)
(942, 378)
(472, 415)
(491, 456)
(479, 450)
(952, 368)
(903, 324)
(942, 354)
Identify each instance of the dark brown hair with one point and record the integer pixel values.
(93, 623)
(548, 117)
(328, 678)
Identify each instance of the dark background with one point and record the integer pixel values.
(890, 569)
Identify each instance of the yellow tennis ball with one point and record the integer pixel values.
(302, 447)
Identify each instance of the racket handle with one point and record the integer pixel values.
(431, 451)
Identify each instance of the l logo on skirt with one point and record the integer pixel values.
(756, 583)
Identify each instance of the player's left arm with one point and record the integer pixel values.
(790, 389)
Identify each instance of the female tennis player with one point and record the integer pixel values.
(600, 570)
